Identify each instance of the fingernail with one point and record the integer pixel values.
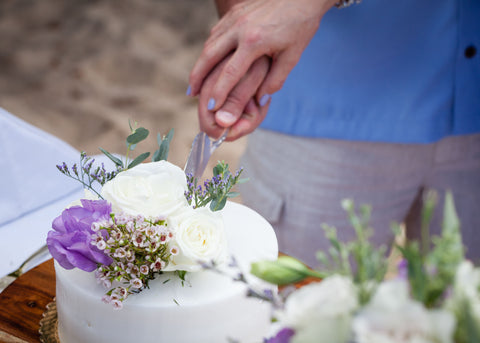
(264, 99)
(211, 104)
(225, 117)
(189, 90)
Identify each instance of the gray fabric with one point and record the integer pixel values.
(297, 184)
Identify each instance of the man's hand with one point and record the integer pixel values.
(279, 29)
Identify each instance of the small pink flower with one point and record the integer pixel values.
(138, 239)
(134, 270)
(144, 269)
(106, 283)
(106, 299)
(157, 265)
(101, 245)
(122, 291)
(174, 250)
(150, 231)
(117, 304)
(153, 246)
(130, 226)
(120, 253)
(95, 226)
(136, 283)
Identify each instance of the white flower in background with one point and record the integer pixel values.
(393, 317)
(321, 312)
(200, 237)
(150, 189)
(467, 288)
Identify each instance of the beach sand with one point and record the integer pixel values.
(82, 69)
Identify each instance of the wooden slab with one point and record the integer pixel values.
(23, 303)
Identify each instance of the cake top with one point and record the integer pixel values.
(141, 219)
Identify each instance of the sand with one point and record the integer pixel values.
(82, 69)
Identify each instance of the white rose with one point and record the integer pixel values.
(393, 317)
(321, 312)
(200, 237)
(150, 189)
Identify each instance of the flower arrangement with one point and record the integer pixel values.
(434, 296)
(141, 219)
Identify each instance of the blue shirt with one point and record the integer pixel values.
(404, 71)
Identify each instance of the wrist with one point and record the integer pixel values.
(346, 3)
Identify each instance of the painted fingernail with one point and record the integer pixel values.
(225, 117)
(211, 104)
(189, 90)
(264, 99)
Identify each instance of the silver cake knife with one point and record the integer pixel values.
(8, 279)
(202, 148)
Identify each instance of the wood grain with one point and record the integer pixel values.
(23, 302)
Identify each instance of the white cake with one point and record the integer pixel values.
(207, 308)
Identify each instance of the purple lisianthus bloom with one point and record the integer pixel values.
(70, 242)
(283, 336)
(403, 269)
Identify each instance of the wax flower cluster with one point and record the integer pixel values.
(138, 248)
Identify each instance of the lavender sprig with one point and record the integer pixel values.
(86, 174)
(216, 190)
(265, 294)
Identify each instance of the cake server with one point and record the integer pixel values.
(8, 279)
(202, 148)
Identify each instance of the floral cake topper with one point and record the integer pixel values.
(141, 219)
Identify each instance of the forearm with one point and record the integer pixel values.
(224, 5)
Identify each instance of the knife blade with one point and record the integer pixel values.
(202, 148)
(37, 256)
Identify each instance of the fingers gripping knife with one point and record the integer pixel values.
(202, 149)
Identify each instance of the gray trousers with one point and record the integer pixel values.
(297, 184)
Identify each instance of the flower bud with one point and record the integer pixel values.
(284, 271)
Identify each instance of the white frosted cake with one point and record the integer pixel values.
(208, 307)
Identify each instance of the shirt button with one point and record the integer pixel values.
(470, 51)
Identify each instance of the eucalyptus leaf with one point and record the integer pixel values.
(156, 156)
(114, 159)
(139, 135)
(139, 159)
(169, 136)
(163, 150)
(233, 194)
(218, 204)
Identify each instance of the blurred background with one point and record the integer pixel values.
(81, 69)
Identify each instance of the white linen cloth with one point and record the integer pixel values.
(32, 191)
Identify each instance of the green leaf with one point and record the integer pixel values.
(169, 136)
(233, 194)
(139, 135)
(164, 146)
(181, 274)
(218, 204)
(451, 223)
(114, 159)
(163, 150)
(138, 160)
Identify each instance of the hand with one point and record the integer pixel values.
(240, 112)
(280, 29)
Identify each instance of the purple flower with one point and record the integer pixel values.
(283, 336)
(403, 269)
(70, 242)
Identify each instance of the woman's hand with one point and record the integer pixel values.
(240, 112)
